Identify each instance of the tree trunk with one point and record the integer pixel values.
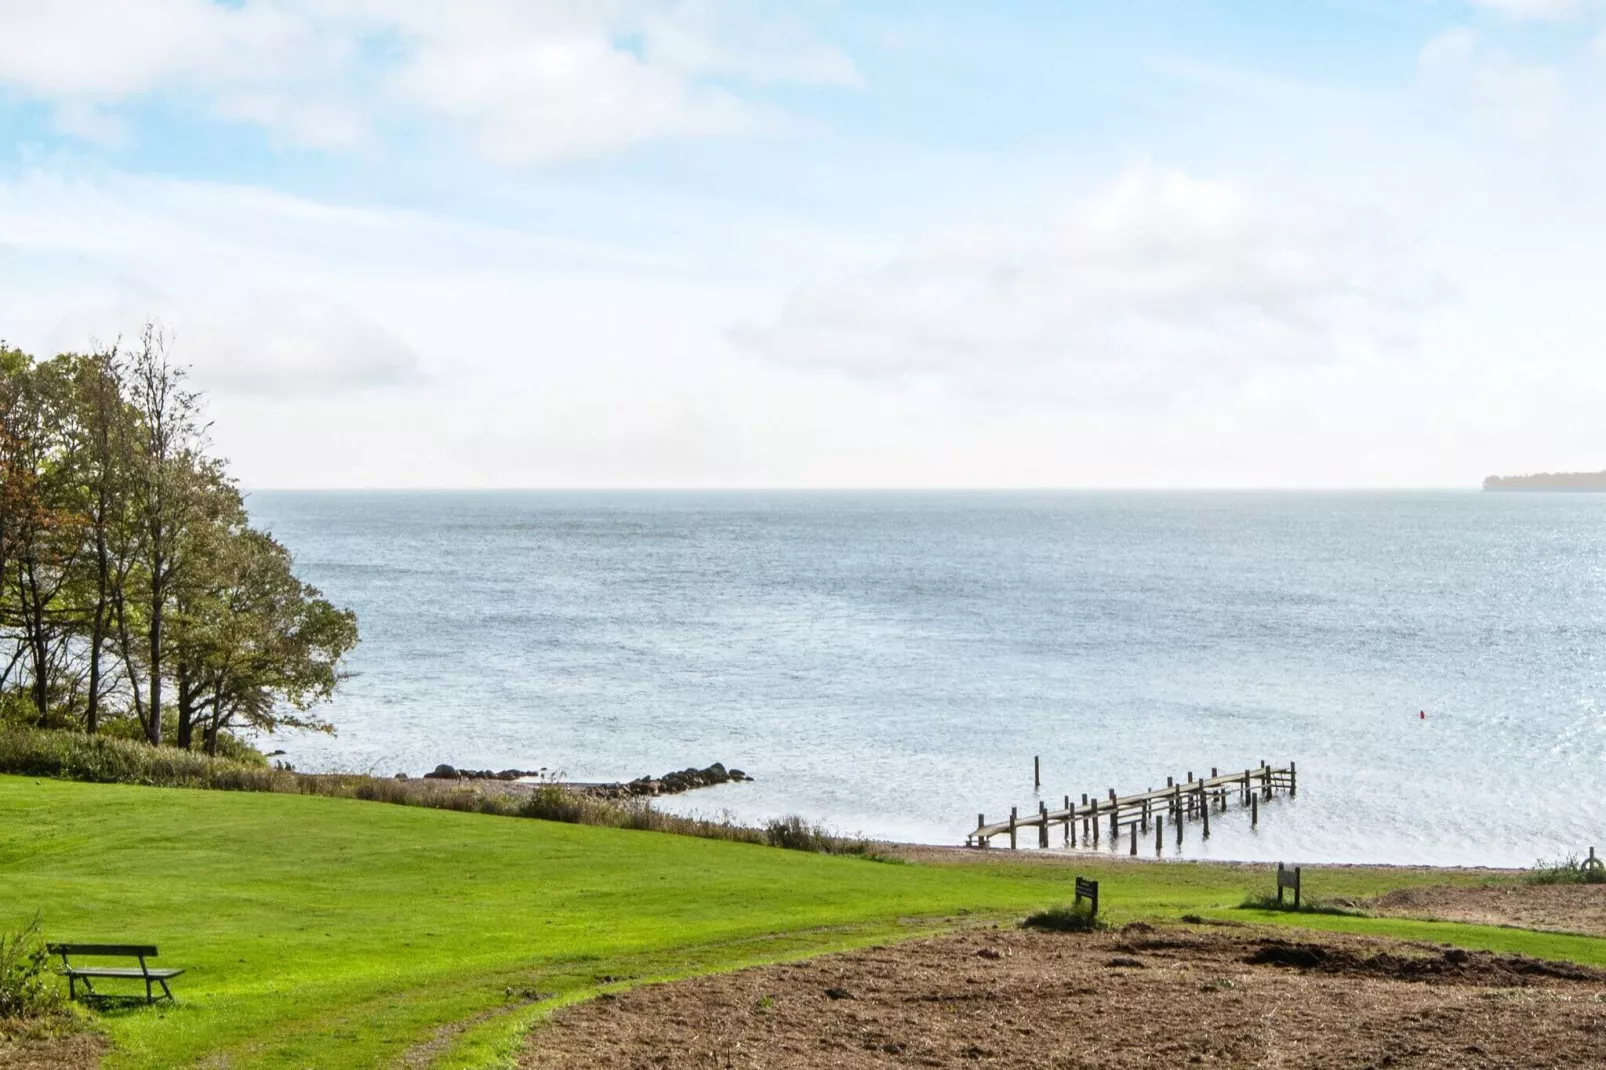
(97, 626)
(97, 638)
(214, 724)
(37, 642)
(126, 643)
(186, 707)
(153, 729)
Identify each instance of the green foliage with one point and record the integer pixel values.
(1569, 870)
(131, 583)
(28, 986)
(1072, 918)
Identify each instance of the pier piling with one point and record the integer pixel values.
(1201, 796)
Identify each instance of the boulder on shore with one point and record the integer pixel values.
(688, 779)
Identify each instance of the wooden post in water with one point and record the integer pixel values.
(1159, 836)
(1179, 833)
(981, 819)
(1204, 812)
(1133, 828)
(1094, 818)
(1012, 819)
(1070, 824)
(1293, 782)
(1146, 815)
(1245, 792)
(1037, 771)
(1254, 810)
(1115, 817)
(1042, 824)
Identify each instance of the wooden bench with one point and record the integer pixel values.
(143, 972)
(1086, 889)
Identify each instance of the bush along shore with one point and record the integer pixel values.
(65, 755)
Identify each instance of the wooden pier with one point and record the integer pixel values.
(1118, 817)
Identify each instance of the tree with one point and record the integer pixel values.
(45, 521)
(106, 425)
(258, 647)
(171, 432)
(17, 500)
(131, 582)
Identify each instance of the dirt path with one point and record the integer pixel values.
(1140, 998)
(1571, 908)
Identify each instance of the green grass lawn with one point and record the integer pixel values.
(334, 933)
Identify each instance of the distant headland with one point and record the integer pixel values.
(1582, 481)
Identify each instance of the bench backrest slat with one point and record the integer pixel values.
(136, 950)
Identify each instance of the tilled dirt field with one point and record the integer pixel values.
(1573, 908)
(1139, 998)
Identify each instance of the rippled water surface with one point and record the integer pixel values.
(890, 663)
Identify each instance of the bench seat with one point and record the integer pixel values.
(119, 971)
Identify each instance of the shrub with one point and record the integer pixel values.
(1567, 871)
(1075, 918)
(797, 834)
(549, 802)
(28, 987)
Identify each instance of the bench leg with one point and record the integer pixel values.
(168, 991)
(148, 999)
(72, 987)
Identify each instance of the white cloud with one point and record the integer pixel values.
(1158, 284)
(1548, 10)
(1516, 98)
(525, 79)
(294, 345)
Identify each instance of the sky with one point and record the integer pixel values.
(829, 243)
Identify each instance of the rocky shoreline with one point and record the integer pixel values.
(673, 783)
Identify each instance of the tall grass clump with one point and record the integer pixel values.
(28, 986)
(1569, 870)
(794, 833)
(1307, 906)
(1075, 918)
(105, 760)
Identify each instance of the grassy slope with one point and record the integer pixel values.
(334, 933)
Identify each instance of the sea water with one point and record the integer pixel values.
(890, 663)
